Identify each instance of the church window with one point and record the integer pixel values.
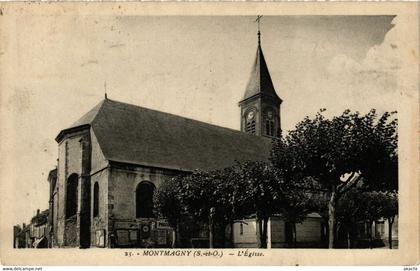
(250, 127)
(96, 200)
(250, 122)
(269, 127)
(269, 123)
(241, 229)
(144, 199)
(71, 195)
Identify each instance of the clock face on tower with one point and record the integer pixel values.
(250, 115)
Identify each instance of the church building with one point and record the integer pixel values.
(112, 159)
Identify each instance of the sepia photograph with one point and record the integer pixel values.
(226, 134)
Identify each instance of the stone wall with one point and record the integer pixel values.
(100, 222)
(97, 157)
(71, 239)
(55, 218)
(122, 184)
(70, 161)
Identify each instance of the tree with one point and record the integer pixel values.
(340, 152)
(374, 205)
(349, 213)
(202, 191)
(389, 211)
(300, 194)
(228, 205)
(167, 204)
(249, 188)
(297, 203)
(361, 205)
(257, 193)
(198, 198)
(194, 195)
(372, 209)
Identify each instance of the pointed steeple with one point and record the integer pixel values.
(260, 81)
(260, 106)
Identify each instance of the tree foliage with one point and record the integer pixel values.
(363, 206)
(318, 167)
(167, 201)
(339, 152)
(259, 193)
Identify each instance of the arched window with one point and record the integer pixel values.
(96, 200)
(269, 122)
(250, 122)
(144, 199)
(269, 127)
(71, 195)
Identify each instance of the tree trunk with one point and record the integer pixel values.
(325, 231)
(337, 233)
(370, 233)
(348, 239)
(264, 235)
(211, 227)
(262, 229)
(353, 231)
(211, 235)
(175, 232)
(222, 232)
(231, 234)
(331, 217)
(390, 222)
(294, 234)
(260, 232)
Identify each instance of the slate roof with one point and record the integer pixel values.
(260, 80)
(40, 218)
(136, 135)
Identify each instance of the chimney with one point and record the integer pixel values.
(23, 225)
(37, 212)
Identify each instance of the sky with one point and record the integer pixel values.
(196, 67)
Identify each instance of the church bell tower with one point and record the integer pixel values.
(260, 106)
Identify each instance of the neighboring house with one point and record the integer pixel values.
(22, 237)
(39, 230)
(28, 240)
(381, 230)
(309, 233)
(18, 236)
(377, 233)
(35, 234)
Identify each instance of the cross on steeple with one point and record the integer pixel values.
(258, 20)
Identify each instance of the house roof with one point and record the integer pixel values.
(137, 135)
(40, 218)
(260, 80)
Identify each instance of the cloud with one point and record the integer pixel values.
(374, 81)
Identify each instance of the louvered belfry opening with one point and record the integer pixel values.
(250, 127)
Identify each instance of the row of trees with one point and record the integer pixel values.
(344, 168)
